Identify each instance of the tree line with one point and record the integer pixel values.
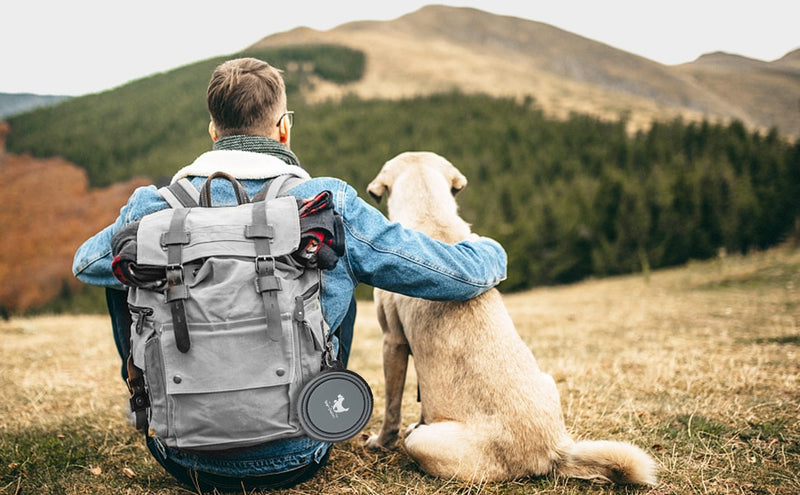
(577, 197)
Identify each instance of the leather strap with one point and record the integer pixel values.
(238, 189)
(176, 290)
(267, 284)
(139, 400)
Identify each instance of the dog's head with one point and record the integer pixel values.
(382, 184)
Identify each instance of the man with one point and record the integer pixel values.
(251, 127)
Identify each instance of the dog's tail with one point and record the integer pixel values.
(607, 462)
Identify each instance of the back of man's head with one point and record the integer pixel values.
(246, 96)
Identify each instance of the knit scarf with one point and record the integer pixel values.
(257, 144)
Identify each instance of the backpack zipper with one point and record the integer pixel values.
(310, 291)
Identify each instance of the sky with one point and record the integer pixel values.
(85, 46)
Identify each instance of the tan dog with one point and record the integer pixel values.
(488, 412)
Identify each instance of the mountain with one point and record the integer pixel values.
(440, 48)
(763, 94)
(791, 59)
(13, 104)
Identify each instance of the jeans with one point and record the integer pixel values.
(206, 472)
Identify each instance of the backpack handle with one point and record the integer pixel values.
(238, 189)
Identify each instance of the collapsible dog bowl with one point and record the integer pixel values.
(335, 405)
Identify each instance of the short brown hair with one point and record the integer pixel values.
(245, 96)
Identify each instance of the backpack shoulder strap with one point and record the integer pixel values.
(277, 185)
(180, 194)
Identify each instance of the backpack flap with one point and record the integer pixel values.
(220, 231)
(174, 238)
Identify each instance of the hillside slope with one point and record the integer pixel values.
(40, 236)
(440, 48)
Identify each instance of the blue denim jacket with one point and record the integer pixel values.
(378, 253)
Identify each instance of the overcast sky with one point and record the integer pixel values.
(78, 47)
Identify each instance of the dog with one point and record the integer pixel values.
(488, 412)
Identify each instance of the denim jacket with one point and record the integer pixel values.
(378, 252)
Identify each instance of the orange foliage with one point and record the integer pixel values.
(46, 212)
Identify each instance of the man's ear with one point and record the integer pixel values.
(212, 131)
(376, 189)
(284, 132)
(457, 183)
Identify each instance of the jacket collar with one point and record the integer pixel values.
(240, 164)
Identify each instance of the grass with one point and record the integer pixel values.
(699, 365)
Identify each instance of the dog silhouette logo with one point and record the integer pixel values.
(336, 408)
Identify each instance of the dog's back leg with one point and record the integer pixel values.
(453, 450)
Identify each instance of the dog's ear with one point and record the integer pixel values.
(376, 189)
(457, 183)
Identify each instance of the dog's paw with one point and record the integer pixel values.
(372, 443)
(376, 442)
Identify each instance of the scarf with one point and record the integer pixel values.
(257, 144)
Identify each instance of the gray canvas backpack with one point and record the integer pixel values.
(227, 323)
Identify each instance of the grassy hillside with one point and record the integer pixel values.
(698, 365)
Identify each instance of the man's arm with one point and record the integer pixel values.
(387, 255)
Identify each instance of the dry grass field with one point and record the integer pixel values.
(700, 365)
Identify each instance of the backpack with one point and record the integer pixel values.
(227, 325)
